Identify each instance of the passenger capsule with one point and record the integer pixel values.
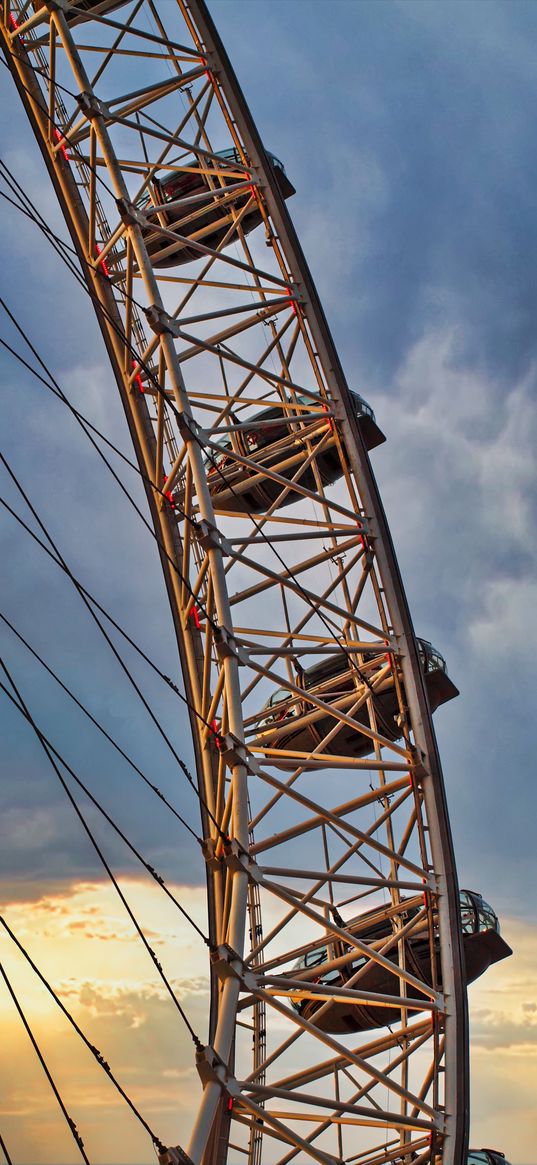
(281, 444)
(294, 723)
(482, 943)
(200, 201)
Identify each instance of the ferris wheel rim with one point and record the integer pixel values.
(354, 445)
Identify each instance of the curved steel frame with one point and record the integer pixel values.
(47, 52)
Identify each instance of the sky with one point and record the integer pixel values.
(408, 131)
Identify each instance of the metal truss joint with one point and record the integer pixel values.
(211, 61)
(233, 857)
(212, 1068)
(210, 538)
(208, 848)
(91, 106)
(235, 752)
(419, 772)
(159, 321)
(297, 291)
(227, 647)
(441, 1002)
(227, 964)
(129, 213)
(175, 1156)
(238, 860)
(190, 430)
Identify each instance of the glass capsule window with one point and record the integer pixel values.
(232, 155)
(488, 919)
(278, 697)
(432, 660)
(361, 407)
(468, 913)
(316, 957)
(215, 459)
(319, 956)
(476, 914)
(273, 707)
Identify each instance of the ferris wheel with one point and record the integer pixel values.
(340, 946)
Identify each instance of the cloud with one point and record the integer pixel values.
(415, 176)
(503, 1004)
(480, 471)
(503, 1027)
(85, 945)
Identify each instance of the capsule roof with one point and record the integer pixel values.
(486, 1157)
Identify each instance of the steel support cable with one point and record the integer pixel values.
(55, 388)
(70, 1122)
(45, 75)
(57, 557)
(4, 1150)
(132, 643)
(91, 1047)
(52, 238)
(92, 599)
(60, 245)
(100, 727)
(80, 416)
(150, 869)
(38, 221)
(84, 421)
(89, 833)
(117, 626)
(85, 424)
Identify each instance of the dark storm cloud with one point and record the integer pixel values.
(406, 130)
(408, 133)
(456, 228)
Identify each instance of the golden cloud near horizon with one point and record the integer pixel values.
(85, 945)
(87, 948)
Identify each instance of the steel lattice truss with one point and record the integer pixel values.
(325, 816)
